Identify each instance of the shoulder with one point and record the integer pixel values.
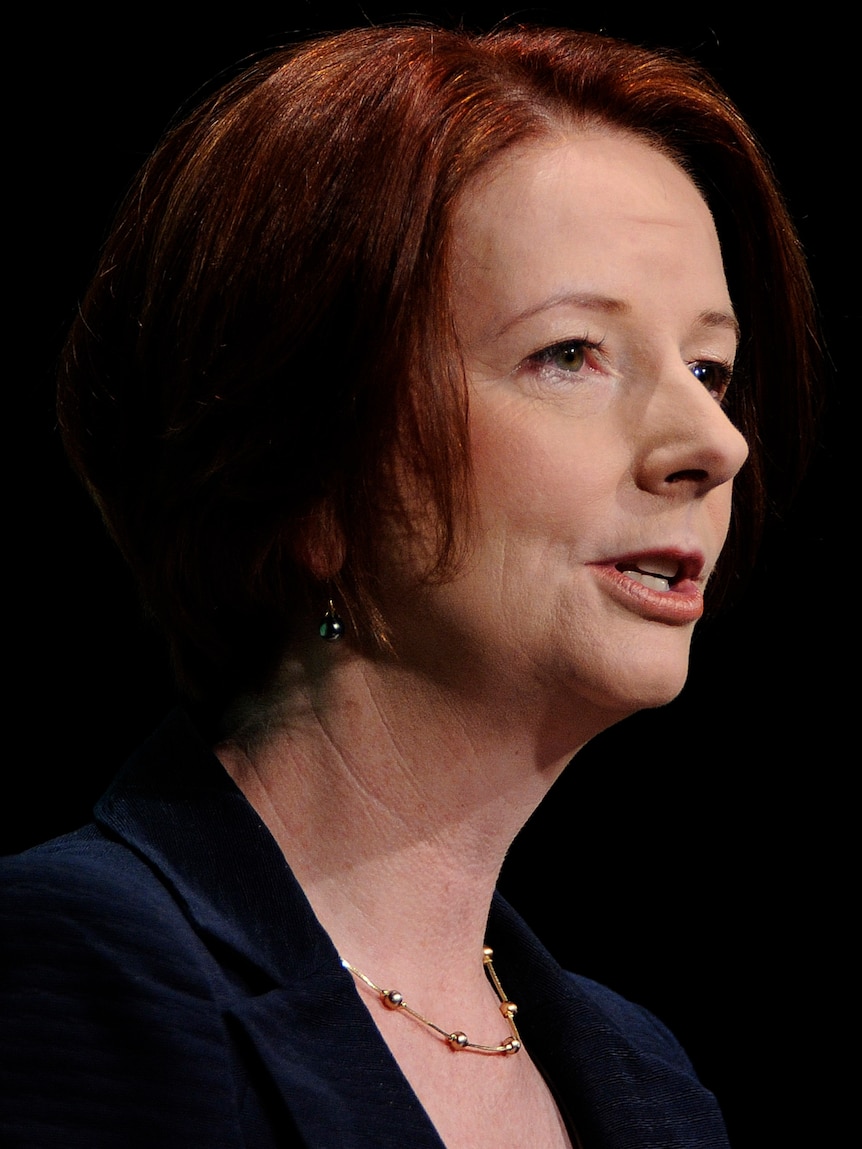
(636, 1078)
(615, 1066)
(105, 1001)
(640, 1028)
(86, 894)
(79, 867)
(568, 1002)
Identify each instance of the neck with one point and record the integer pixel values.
(394, 803)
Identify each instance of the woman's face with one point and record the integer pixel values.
(598, 336)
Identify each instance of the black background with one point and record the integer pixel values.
(692, 857)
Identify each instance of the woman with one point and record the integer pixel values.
(405, 387)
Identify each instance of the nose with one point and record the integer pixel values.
(687, 443)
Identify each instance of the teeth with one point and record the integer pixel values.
(654, 581)
(657, 573)
(664, 567)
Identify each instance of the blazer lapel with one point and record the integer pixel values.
(275, 974)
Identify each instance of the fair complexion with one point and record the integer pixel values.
(598, 338)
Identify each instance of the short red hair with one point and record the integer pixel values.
(268, 341)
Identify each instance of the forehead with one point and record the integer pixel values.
(593, 210)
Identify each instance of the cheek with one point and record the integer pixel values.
(721, 509)
(714, 521)
(535, 474)
(514, 475)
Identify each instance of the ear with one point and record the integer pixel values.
(319, 545)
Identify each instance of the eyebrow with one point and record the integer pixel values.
(588, 301)
(607, 305)
(719, 319)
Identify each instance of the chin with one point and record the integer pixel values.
(660, 693)
(653, 678)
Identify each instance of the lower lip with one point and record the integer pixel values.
(681, 604)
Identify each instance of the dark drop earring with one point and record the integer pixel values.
(331, 627)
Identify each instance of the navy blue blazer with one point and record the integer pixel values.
(166, 984)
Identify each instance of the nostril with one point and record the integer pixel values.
(690, 476)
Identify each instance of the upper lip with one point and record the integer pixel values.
(671, 563)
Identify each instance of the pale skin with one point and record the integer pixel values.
(598, 334)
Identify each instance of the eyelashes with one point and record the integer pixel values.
(715, 376)
(568, 357)
(572, 357)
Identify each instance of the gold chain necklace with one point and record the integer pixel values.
(392, 999)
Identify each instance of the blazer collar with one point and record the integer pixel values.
(174, 803)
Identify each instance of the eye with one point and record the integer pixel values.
(564, 356)
(568, 357)
(714, 376)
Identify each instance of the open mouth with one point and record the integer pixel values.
(658, 574)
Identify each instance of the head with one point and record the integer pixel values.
(267, 366)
